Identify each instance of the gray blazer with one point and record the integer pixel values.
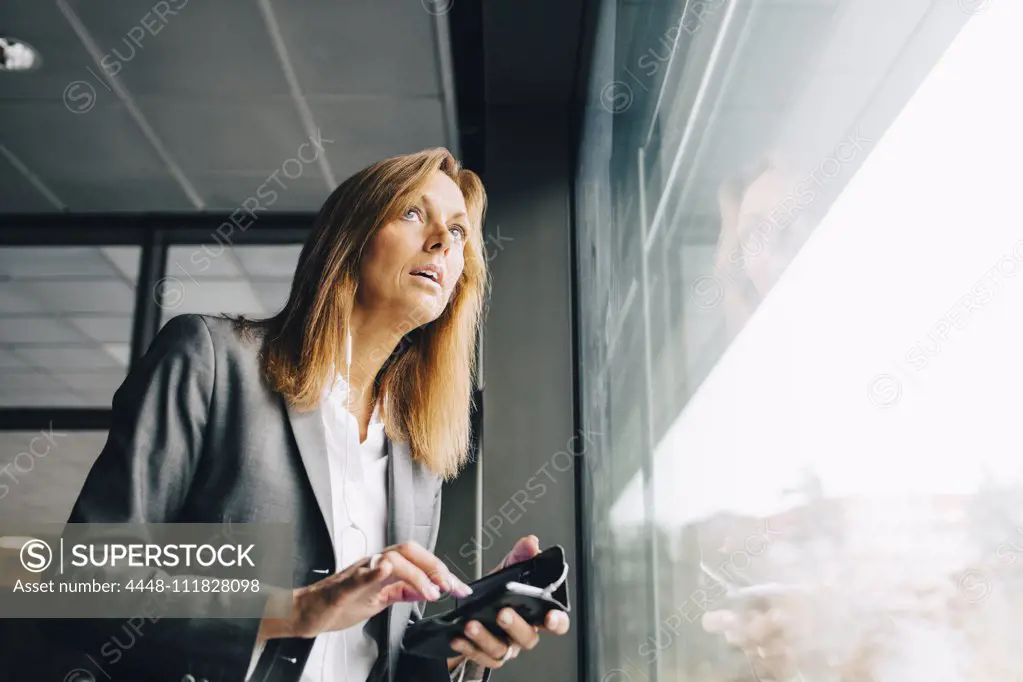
(197, 437)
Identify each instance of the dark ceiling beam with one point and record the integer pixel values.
(115, 229)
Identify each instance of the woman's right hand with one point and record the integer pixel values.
(760, 636)
(404, 573)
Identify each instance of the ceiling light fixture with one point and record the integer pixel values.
(17, 55)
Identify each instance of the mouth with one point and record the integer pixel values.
(431, 274)
(428, 280)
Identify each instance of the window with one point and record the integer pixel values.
(804, 352)
(42, 472)
(73, 305)
(65, 323)
(248, 279)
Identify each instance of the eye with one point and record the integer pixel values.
(459, 230)
(414, 212)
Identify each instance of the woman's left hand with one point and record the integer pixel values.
(483, 648)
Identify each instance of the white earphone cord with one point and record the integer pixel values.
(344, 484)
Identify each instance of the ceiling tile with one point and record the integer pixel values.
(95, 194)
(120, 352)
(59, 145)
(387, 47)
(56, 358)
(208, 81)
(31, 380)
(95, 161)
(273, 294)
(125, 259)
(211, 297)
(103, 382)
(211, 135)
(269, 261)
(230, 191)
(202, 48)
(18, 195)
(8, 361)
(103, 328)
(15, 299)
(194, 262)
(364, 131)
(63, 261)
(38, 330)
(84, 296)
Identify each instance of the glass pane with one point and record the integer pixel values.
(65, 324)
(42, 472)
(253, 280)
(799, 304)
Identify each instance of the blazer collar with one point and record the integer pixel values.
(311, 440)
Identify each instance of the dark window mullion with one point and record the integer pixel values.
(152, 269)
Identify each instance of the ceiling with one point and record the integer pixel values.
(180, 112)
(185, 106)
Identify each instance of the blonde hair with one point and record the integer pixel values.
(428, 379)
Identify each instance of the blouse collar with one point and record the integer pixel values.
(337, 390)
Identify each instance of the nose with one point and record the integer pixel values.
(439, 237)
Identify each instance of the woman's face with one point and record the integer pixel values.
(412, 263)
(768, 228)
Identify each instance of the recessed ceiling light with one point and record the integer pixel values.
(17, 55)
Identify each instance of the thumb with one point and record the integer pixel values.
(526, 548)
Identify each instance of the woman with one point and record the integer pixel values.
(765, 220)
(342, 414)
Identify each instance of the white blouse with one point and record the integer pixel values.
(358, 490)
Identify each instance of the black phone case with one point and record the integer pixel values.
(431, 637)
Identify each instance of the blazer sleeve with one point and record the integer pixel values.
(159, 420)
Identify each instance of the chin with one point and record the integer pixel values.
(425, 308)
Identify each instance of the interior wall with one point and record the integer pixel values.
(526, 461)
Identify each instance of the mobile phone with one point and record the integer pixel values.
(748, 597)
(531, 588)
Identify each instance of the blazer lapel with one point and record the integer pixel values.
(312, 446)
(401, 495)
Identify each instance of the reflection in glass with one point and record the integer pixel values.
(800, 297)
(65, 324)
(44, 471)
(252, 280)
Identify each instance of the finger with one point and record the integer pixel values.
(435, 569)
(519, 631)
(391, 589)
(465, 648)
(752, 629)
(400, 592)
(718, 622)
(557, 622)
(364, 576)
(762, 628)
(484, 640)
(406, 571)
